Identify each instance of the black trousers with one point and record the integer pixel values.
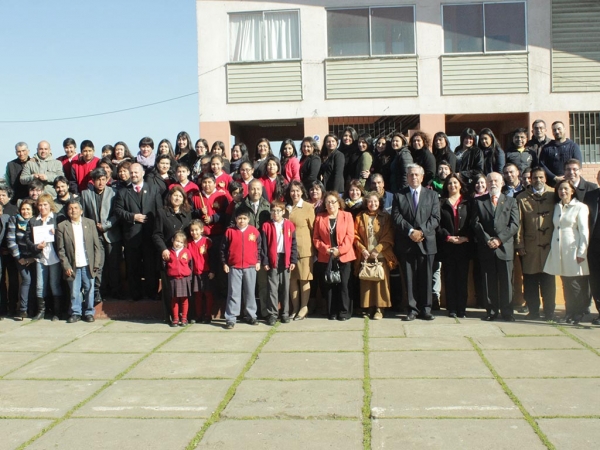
(456, 279)
(338, 299)
(577, 295)
(106, 282)
(418, 276)
(594, 264)
(533, 284)
(141, 263)
(497, 285)
(9, 285)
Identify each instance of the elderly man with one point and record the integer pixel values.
(532, 243)
(81, 256)
(416, 214)
(495, 223)
(13, 172)
(42, 167)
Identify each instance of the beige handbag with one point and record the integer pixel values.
(371, 271)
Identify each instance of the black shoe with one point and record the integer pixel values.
(331, 317)
(411, 316)
(253, 322)
(74, 318)
(206, 320)
(452, 314)
(55, 319)
(510, 318)
(285, 319)
(596, 321)
(272, 320)
(229, 325)
(461, 315)
(490, 317)
(532, 316)
(578, 318)
(426, 316)
(523, 310)
(343, 318)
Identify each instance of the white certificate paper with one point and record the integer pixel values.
(43, 233)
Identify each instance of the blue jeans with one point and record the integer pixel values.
(48, 276)
(82, 292)
(27, 273)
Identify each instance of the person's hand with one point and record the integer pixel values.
(140, 218)
(494, 243)
(69, 273)
(292, 267)
(206, 219)
(558, 178)
(41, 245)
(335, 252)
(204, 211)
(365, 254)
(166, 255)
(374, 254)
(416, 236)
(365, 174)
(580, 260)
(257, 267)
(267, 268)
(22, 261)
(521, 252)
(211, 275)
(225, 268)
(42, 177)
(99, 227)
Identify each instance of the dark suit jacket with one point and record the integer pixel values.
(503, 223)
(592, 200)
(65, 242)
(108, 218)
(309, 170)
(583, 188)
(129, 203)
(426, 218)
(332, 171)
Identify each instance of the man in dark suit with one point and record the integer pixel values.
(416, 213)
(136, 206)
(573, 174)
(495, 223)
(81, 256)
(592, 200)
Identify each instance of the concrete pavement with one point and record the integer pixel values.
(312, 384)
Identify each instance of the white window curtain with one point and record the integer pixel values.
(282, 36)
(245, 37)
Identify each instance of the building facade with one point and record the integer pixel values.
(289, 69)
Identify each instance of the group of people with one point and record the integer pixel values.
(266, 233)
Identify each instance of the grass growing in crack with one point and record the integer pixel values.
(216, 415)
(528, 417)
(366, 409)
(579, 341)
(105, 386)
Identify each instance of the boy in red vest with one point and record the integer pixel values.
(240, 254)
(82, 166)
(279, 258)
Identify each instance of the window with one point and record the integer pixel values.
(374, 31)
(264, 36)
(585, 131)
(484, 27)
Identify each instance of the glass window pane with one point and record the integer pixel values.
(282, 36)
(245, 37)
(392, 31)
(463, 28)
(348, 32)
(505, 27)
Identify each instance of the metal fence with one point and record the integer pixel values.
(376, 126)
(585, 131)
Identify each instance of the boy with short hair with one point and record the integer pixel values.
(240, 255)
(83, 165)
(183, 179)
(279, 258)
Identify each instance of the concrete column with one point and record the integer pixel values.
(432, 123)
(217, 131)
(316, 126)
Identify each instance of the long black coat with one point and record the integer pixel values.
(129, 203)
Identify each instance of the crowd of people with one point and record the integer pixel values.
(261, 236)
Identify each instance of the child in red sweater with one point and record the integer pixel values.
(221, 177)
(201, 274)
(183, 179)
(179, 271)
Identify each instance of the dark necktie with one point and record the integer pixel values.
(415, 199)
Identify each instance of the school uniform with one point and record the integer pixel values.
(179, 272)
(201, 284)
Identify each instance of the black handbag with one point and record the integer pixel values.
(332, 274)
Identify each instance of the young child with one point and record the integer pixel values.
(241, 260)
(279, 258)
(183, 179)
(272, 181)
(237, 196)
(179, 271)
(221, 178)
(201, 274)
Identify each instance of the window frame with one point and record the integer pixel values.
(263, 41)
(371, 55)
(484, 51)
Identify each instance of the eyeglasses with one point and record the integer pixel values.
(331, 202)
(279, 211)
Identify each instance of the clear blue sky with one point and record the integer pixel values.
(66, 58)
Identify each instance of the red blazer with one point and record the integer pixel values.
(269, 187)
(179, 266)
(81, 171)
(269, 244)
(216, 204)
(344, 234)
(190, 188)
(241, 249)
(199, 253)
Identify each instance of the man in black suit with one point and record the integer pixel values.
(592, 200)
(416, 213)
(573, 174)
(136, 206)
(495, 223)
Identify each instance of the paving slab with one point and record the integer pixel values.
(11, 342)
(322, 324)
(7, 325)
(116, 343)
(425, 343)
(287, 434)
(137, 327)
(326, 341)
(590, 336)
(528, 343)
(157, 398)
(214, 342)
(544, 363)
(459, 434)
(32, 398)
(218, 326)
(44, 336)
(119, 434)
(16, 432)
(77, 366)
(198, 365)
(558, 397)
(435, 364)
(471, 329)
(440, 398)
(300, 399)
(14, 360)
(571, 434)
(307, 365)
(527, 329)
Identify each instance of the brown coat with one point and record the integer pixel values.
(303, 218)
(535, 228)
(383, 228)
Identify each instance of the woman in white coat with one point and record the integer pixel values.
(568, 251)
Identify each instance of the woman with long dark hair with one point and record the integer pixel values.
(332, 167)
(218, 148)
(166, 148)
(290, 165)
(419, 149)
(469, 156)
(348, 146)
(239, 154)
(273, 182)
(493, 155)
(360, 166)
(263, 151)
(442, 151)
(201, 149)
(383, 155)
(121, 153)
(184, 153)
(162, 176)
(310, 163)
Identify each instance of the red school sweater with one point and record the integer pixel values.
(270, 235)
(241, 248)
(216, 204)
(223, 181)
(179, 266)
(81, 171)
(199, 253)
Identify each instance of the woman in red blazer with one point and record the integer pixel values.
(334, 235)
